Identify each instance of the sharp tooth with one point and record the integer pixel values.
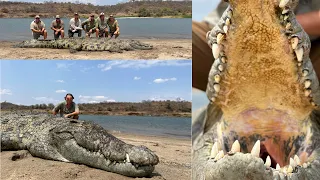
(283, 3)
(284, 170)
(307, 92)
(230, 13)
(290, 169)
(214, 150)
(225, 29)
(304, 165)
(313, 104)
(256, 149)
(285, 11)
(268, 162)
(285, 17)
(288, 26)
(305, 73)
(217, 78)
(278, 167)
(294, 42)
(220, 67)
(216, 87)
(220, 38)
(235, 147)
(127, 158)
(297, 160)
(224, 59)
(299, 54)
(299, 64)
(307, 84)
(215, 50)
(228, 22)
(292, 163)
(219, 155)
(213, 99)
(207, 35)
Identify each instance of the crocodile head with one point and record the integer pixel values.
(264, 96)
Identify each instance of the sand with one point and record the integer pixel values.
(164, 49)
(174, 155)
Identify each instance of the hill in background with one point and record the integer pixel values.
(132, 9)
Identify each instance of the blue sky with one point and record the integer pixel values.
(201, 8)
(41, 81)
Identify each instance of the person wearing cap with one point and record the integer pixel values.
(89, 26)
(58, 27)
(75, 26)
(114, 26)
(67, 108)
(38, 28)
(102, 26)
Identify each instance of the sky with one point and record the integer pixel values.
(30, 82)
(201, 8)
(95, 2)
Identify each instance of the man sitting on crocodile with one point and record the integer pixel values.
(263, 119)
(67, 108)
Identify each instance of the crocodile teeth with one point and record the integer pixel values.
(225, 29)
(207, 35)
(220, 67)
(220, 38)
(214, 150)
(215, 50)
(278, 167)
(213, 99)
(292, 163)
(299, 54)
(305, 165)
(127, 158)
(307, 92)
(285, 18)
(313, 104)
(235, 147)
(216, 87)
(268, 162)
(219, 155)
(217, 78)
(283, 3)
(288, 26)
(228, 22)
(294, 42)
(305, 72)
(297, 160)
(285, 11)
(290, 169)
(256, 149)
(224, 59)
(307, 84)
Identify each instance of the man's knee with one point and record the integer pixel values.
(75, 117)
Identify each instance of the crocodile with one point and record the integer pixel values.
(75, 141)
(262, 121)
(86, 44)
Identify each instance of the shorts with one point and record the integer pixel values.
(36, 35)
(56, 36)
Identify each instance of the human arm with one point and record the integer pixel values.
(310, 22)
(56, 109)
(76, 112)
(117, 28)
(83, 24)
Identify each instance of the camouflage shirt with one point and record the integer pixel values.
(87, 24)
(113, 26)
(62, 107)
(101, 24)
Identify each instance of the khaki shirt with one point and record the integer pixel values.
(89, 24)
(37, 26)
(55, 25)
(113, 26)
(101, 24)
(62, 107)
(73, 24)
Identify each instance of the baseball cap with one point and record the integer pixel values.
(102, 14)
(75, 13)
(37, 16)
(57, 17)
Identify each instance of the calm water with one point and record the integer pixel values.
(145, 125)
(162, 28)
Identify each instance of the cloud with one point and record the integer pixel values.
(141, 64)
(160, 80)
(61, 91)
(60, 81)
(161, 98)
(94, 99)
(45, 100)
(85, 69)
(136, 78)
(64, 66)
(5, 91)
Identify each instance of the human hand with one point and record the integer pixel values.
(66, 115)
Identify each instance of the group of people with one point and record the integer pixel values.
(101, 27)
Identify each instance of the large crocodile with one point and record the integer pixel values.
(75, 141)
(87, 44)
(263, 119)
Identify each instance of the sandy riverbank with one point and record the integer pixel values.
(174, 155)
(164, 49)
